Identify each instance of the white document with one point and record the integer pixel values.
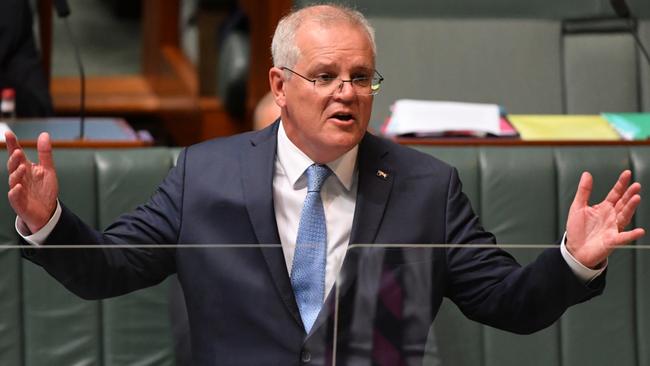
(3, 127)
(422, 118)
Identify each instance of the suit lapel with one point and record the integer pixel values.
(258, 166)
(375, 183)
(374, 186)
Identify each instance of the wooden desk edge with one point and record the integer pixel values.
(88, 144)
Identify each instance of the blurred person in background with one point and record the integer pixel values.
(266, 112)
(21, 66)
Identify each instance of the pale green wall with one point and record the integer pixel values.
(547, 9)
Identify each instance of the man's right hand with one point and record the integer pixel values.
(33, 188)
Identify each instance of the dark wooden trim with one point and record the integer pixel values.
(208, 21)
(86, 144)
(115, 95)
(263, 17)
(160, 20)
(44, 10)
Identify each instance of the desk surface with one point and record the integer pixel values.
(115, 132)
(496, 141)
(64, 132)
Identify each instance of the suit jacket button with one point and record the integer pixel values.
(305, 356)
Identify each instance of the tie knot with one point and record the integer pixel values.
(316, 175)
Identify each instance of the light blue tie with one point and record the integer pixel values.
(308, 269)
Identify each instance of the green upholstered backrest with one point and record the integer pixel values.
(41, 322)
(522, 194)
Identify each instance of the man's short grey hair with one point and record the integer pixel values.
(284, 49)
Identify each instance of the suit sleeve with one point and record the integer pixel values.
(488, 284)
(105, 272)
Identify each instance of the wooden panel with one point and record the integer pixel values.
(45, 36)
(118, 95)
(169, 86)
(104, 95)
(208, 20)
(85, 144)
(263, 18)
(210, 120)
(159, 29)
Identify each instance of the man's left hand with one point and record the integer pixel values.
(593, 232)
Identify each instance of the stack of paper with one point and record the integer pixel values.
(563, 127)
(434, 118)
(631, 126)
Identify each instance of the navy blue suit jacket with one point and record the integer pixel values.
(240, 302)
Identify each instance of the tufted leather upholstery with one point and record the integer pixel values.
(522, 195)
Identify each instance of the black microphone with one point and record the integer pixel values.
(63, 10)
(620, 8)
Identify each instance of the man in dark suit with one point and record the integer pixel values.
(317, 174)
(20, 62)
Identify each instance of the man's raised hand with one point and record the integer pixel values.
(594, 231)
(33, 187)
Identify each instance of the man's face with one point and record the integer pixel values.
(326, 126)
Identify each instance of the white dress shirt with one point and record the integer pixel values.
(339, 195)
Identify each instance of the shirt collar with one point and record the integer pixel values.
(295, 162)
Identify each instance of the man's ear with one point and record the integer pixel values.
(276, 80)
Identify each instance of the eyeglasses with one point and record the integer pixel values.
(328, 85)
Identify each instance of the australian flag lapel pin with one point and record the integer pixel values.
(382, 174)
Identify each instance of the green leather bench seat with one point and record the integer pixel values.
(521, 193)
(41, 323)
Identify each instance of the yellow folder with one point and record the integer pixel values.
(563, 127)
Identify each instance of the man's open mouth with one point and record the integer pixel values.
(342, 116)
